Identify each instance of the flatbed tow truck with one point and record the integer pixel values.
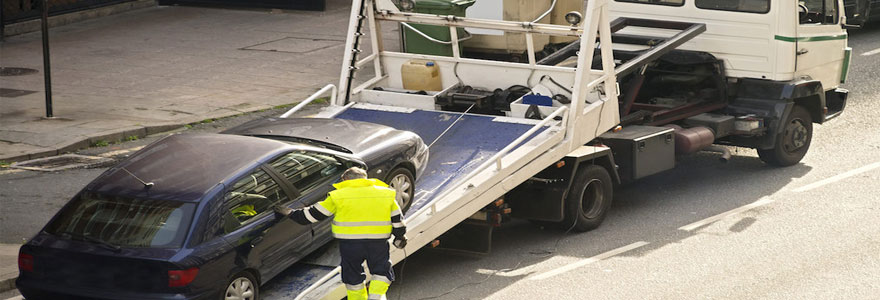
(645, 81)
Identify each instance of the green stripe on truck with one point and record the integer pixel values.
(811, 38)
(843, 71)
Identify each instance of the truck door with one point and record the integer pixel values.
(821, 42)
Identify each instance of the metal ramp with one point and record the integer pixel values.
(468, 144)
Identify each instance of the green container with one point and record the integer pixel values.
(415, 43)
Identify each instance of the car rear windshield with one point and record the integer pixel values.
(124, 222)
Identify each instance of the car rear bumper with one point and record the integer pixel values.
(37, 291)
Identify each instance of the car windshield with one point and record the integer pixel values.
(124, 222)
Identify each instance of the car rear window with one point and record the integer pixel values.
(125, 222)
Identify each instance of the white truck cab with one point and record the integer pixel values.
(777, 40)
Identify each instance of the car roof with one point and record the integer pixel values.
(184, 167)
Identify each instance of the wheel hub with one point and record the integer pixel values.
(240, 289)
(402, 185)
(795, 136)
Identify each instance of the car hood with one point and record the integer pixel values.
(355, 136)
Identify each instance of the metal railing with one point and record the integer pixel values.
(319, 93)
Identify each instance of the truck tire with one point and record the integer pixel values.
(589, 198)
(793, 142)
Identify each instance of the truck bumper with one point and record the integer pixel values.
(835, 102)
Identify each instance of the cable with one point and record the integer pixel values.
(474, 282)
(450, 125)
(402, 267)
(554, 82)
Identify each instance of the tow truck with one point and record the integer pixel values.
(549, 138)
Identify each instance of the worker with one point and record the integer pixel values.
(365, 215)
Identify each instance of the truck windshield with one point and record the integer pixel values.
(124, 222)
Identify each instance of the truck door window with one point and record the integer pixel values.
(659, 2)
(818, 11)
(749, 6)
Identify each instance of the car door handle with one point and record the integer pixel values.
(256, 241)
(802, 52)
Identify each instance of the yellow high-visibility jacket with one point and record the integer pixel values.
(361, 209)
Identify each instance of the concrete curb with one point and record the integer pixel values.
(7, 284)
(55, 21)
(88, 141)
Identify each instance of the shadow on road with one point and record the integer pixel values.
(651, 210)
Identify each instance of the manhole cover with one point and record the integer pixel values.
(13, 71)
(295, 45)
(62, 162)
(12, 93)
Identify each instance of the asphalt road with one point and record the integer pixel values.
(809, 231)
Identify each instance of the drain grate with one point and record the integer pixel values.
(13, 71)
(12, 93)
(62, 162)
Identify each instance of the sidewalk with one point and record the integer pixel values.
(8, 266)
(157, 69)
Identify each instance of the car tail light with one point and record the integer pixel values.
(177, 278)
(25, 262)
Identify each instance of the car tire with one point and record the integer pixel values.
(589, 199)
(242, 286)
(793, 142)
(402, 181)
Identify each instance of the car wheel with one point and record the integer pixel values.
(792, 143)
(589, 199)
(242, 287)
(401, 180)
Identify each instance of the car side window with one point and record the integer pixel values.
(659, 2)
(748, 6)
(250, 196)
(306, 169)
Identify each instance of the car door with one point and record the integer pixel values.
(312, 174)
(821, 43)
(251, 225)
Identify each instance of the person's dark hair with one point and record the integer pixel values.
(354, 173)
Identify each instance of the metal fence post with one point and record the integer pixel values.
(46, 69)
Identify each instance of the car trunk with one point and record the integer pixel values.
(67, 265)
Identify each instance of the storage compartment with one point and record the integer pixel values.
(640, 151)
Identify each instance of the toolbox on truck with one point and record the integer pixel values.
(641, 151)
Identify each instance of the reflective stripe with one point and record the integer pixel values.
(364, 223)
(397, 225)
(309, 216)
(323, 210)
(354, 287)
(396, 212)
(375, 297)
(361, 236)
(381, 278)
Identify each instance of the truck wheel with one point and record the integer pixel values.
(589, 199)
(794, 140)
(401, 180)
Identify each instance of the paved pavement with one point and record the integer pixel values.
(159, 68)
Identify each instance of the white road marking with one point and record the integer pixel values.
(715, 218)
(838, 177)
(120, 152)
(588, 261)
(872, 52)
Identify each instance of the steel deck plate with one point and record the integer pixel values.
(472, 141)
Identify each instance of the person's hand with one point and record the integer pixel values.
(282, 211)
(399, 243)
